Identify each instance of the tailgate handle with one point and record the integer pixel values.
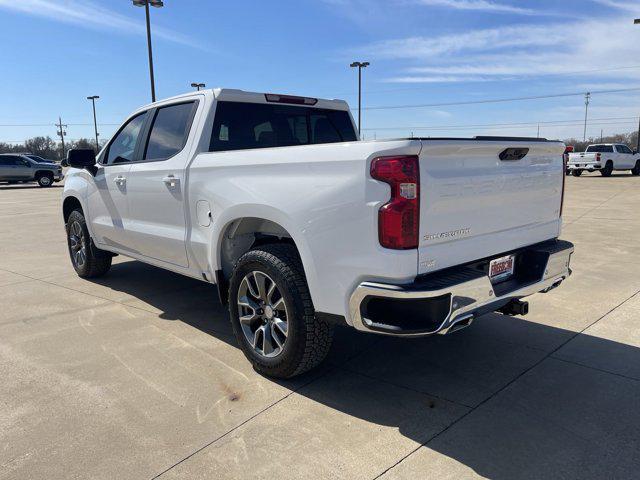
(509, 154)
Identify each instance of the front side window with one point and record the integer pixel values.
(240, 126)
(623, 149)
(123, 146)
(169, 131)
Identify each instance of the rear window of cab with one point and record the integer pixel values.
(241, 126)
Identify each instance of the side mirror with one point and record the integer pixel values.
(64, 163)
(81, 158)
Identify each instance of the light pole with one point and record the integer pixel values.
(360, 66)
(198, 86)
(587, 97)
(145, 4)
(637, 22)
(95, 123)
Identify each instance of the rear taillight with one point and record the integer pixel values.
(598, 155)
(399, 218)
(564, 181)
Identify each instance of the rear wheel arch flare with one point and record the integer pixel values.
(242, 234)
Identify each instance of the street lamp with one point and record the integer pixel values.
(95, 124)
(637, 22)
(360, 66)
(198, 86)
(145, 4)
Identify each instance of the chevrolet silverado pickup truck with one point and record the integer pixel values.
(302, 226)
(15, 168)
(604, 158)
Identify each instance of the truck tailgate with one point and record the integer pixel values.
(474, 205)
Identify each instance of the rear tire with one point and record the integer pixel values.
(576, 173)
(87, 260)
(45, 180)
(607, 170)
(636, 170)
(279, 333)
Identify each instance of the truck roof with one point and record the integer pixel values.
(235, 95)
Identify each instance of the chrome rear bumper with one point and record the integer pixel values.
(463, 293)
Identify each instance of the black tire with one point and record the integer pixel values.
(308, 339)
(607, 170)
(576, 173)
(636, 170)
(45, 179)
(96, 262)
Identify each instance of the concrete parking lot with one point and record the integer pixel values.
(137, 375)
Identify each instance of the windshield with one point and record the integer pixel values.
(38, 159)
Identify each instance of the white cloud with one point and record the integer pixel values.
(90, 15)
(560, 49)
(480, 5)
(629, 6)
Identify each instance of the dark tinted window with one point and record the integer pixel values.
(623, 149)
(600, 148)
(5, 160)
(38, 159)
(169, 131)
(240, 126)
(123, 146)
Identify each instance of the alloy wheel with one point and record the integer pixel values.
(77, 245)
(263, 314)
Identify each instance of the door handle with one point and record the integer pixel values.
(120, 180)
(171, 181)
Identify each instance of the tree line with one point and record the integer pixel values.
(47, 147)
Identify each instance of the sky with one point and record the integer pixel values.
(427, 57)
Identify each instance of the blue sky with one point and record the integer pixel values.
(56, 52)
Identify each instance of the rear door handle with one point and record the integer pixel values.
(171, 181)
(120, 180)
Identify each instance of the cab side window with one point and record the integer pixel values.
(123, 145)
(623, 149)
(169, 131)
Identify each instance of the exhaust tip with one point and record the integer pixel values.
(459, 324)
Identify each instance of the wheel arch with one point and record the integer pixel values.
(70, 204)
(40, 173)
(239, 234)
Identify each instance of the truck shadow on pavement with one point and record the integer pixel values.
(506, 398)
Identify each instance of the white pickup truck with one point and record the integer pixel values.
(605, 158)
(302, 226)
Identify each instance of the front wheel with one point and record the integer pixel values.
(45, 180)
(272, 313)
(87, 260)
(636, 170)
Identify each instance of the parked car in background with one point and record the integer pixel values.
(302, 226)
(16, 168)
(605, 158)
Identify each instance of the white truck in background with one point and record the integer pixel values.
(604, 158)
(302, 226)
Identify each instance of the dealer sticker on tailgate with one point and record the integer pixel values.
(501, 268)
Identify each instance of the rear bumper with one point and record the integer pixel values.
(584, 166)
(435, 303)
